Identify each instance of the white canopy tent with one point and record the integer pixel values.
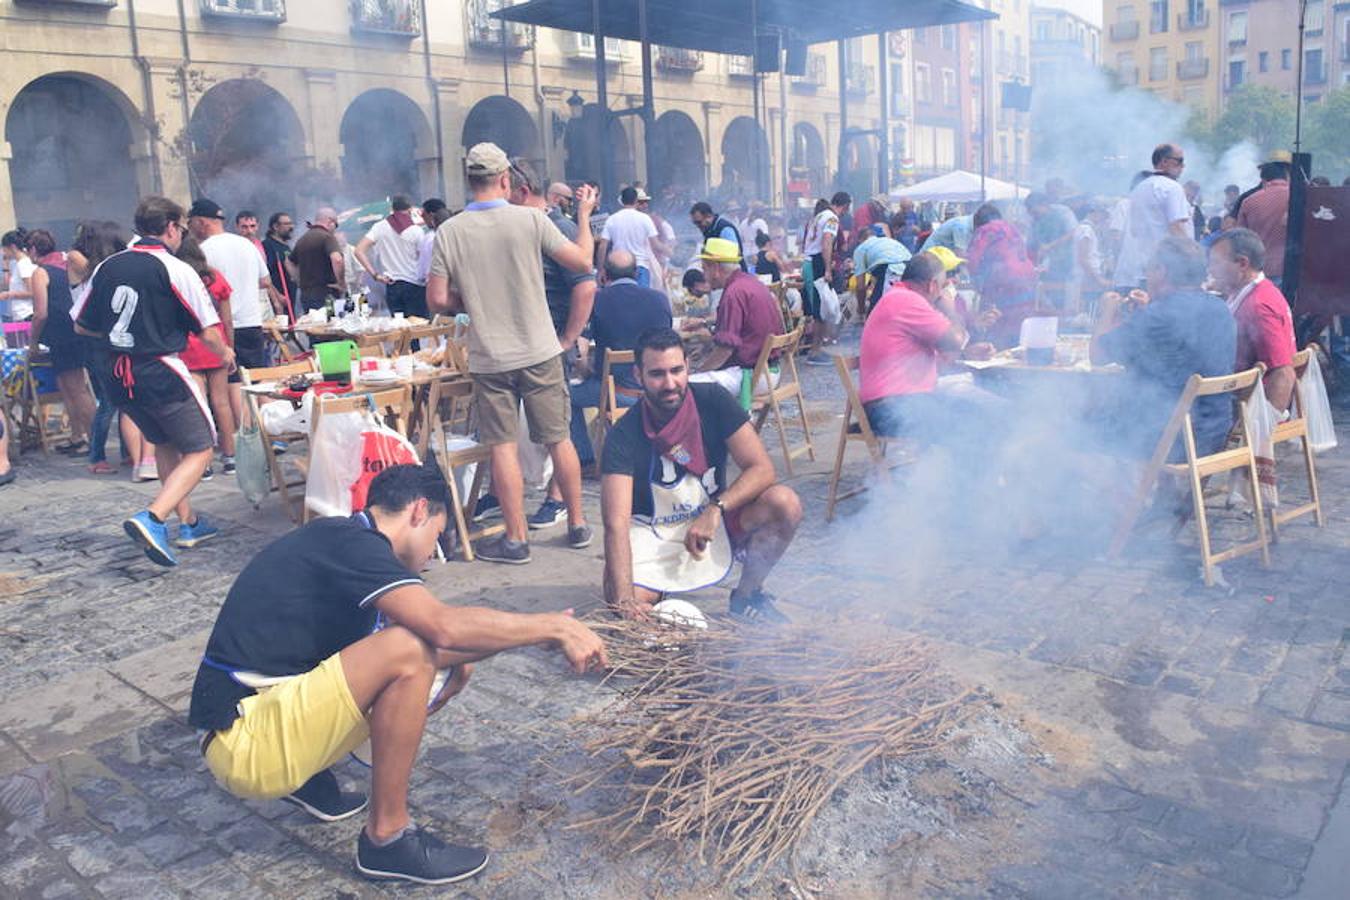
(959, 186)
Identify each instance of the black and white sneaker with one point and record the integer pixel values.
(757, 608)
(502, 549)
(325, 800)
(227, 465)
(418, 856)
(579, 538)
(486, 508)
(208, 474)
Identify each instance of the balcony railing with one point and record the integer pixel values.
(1197, 20)
(97, 4)
(1125, 31)
(265, 10)
(1190, 69)
(741, 66)
(485, 31)
(677, 59)
(397, 17)
(815, 76)
(861, 78)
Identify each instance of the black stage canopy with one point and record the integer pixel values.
(723, 26)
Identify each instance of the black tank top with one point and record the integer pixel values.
(763, 266)
(59, 328)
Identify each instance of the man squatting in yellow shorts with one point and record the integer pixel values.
(328, 638)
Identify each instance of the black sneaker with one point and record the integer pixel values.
(208, 474)
(418, 856)
(579, 538)
(757, 607)
(227, 465)
(549, 513)
(323, 799)
(502, 549)
(487, 507)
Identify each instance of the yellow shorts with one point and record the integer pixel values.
(288, 733)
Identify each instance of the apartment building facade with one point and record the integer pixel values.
(280, 104)
(1169, 47)
(1260, 41)
(1063, 45)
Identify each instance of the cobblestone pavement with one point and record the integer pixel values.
(1192, 741)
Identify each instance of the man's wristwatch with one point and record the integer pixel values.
(721, 507)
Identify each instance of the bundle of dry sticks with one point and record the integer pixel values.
(729, 741)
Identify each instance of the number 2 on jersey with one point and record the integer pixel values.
(124, 301)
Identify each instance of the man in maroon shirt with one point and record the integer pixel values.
(1266, 212)
(747, 316)
(1265, 329)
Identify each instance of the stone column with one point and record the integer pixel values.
(171, 113)
(8, 213)
(452, 139)
(712, 147)
(322, 118)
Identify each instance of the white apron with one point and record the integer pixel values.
(660, 561)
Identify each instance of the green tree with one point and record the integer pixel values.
(1325, 126)
(1256, 113)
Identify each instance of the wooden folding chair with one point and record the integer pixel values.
(857, 427)
(610, 412)
(1296, 428)
(768, 398)
(1196, 468)
(423, 333)
(374, 346)
(457, 392)
(280, 484)
(393, 407)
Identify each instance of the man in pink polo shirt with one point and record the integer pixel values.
(1265, 328)
(905, 336)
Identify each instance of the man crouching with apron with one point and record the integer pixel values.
(672, 523)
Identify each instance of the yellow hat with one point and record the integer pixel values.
(720, 250)
(1280, 156)
(945, 255)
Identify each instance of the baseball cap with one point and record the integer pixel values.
(206, 209)
(720, 250)
(945, 255)
(486, 159)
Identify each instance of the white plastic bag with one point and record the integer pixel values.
(335, 461)
(536, 466)
(280, 417)
(831, 312)
(1312, 398)
(250, 460)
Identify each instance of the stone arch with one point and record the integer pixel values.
(676, 150)
(74, 138)
(387, 147)
(505, 123)
(745, 159)
(808, 167)
(585, 156)
(246, 148)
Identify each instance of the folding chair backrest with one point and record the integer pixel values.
(395, 404)
(610, 410)
(276, 373)
(426, 335)
(375, 346)
(783, 348)
(854, 413)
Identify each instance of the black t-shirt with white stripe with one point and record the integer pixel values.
(306, 596)
(145, 301)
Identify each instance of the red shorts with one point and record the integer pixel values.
(198, 357)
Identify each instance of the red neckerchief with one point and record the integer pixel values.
(681, 439)
(56, 259)
(400, 220)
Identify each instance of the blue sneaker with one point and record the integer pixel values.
(151, 535)
(191, 535)
(487, 508)
(549, 513)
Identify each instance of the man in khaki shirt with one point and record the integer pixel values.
(486, 263)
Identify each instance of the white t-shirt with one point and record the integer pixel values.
(1155, 203)
(629, 229)
(20, 270)
(823, 227)
(243, 265)
(748, 229)
(397, 252)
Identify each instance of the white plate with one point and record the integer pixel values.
(380, 378)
